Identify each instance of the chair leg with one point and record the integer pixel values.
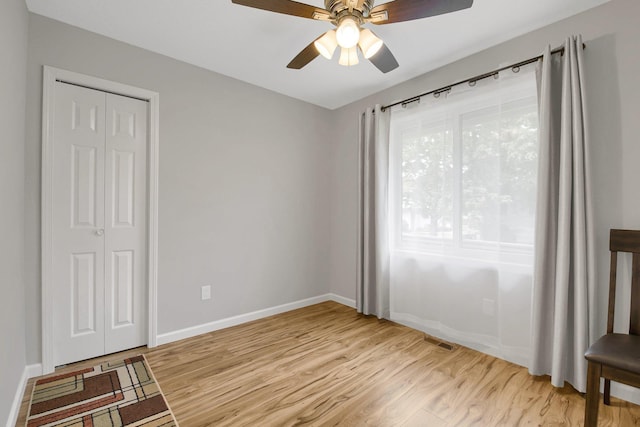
(607, 392)
(593, 395)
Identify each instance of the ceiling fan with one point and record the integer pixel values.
(349, 16)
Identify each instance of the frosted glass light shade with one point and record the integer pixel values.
(348, 56)
(348, 33)
(369, 43)
(327, 44)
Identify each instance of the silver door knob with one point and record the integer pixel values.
(99, 232)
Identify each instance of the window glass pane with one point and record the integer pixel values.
(519, 166)
(499, 164)
(481, 176)
(427, 169)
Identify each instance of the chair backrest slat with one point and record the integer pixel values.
(625, 241)
(634, 322)
(612, 291)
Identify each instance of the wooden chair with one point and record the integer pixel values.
(616, 357)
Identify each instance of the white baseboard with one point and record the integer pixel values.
(34, 370)
(625, 392)
(30, 371)
(248, 317)
(342, 300)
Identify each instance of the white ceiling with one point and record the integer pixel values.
(255, 46)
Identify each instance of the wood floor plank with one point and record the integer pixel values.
(424, 418)
(326, 365)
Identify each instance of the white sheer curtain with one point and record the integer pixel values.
(565, 276)
(372, 289)
(463, 171)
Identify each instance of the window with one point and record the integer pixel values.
(463, 172)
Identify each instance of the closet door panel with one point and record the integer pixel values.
(126, 226)
(78, 223)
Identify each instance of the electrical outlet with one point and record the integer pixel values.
(205, 292)
(488, 307)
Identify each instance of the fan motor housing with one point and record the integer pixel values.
(336, 7)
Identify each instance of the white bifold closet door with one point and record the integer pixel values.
(99, 223)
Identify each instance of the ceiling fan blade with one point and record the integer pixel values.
(305, 56)
(407, 10)
(384, 60)
(288, 7)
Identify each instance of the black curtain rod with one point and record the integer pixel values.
(474, 79)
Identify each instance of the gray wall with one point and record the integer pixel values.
(611, 33)
(244, 184)
(250, 180)
(13, 63)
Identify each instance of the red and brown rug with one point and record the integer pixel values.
(113, 394)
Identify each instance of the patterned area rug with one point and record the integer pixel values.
(112, 394)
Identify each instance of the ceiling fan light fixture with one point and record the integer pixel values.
(348, 33)
(348, 56)
(348, 16)
(327, 44)
(369, 43)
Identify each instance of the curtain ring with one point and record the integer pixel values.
(408, 102)
(445, 90)
(472, 83)
(515, 69)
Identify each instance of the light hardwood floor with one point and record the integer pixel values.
(327, 365)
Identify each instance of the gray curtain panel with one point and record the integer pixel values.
(564, 267)
(372, 295)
